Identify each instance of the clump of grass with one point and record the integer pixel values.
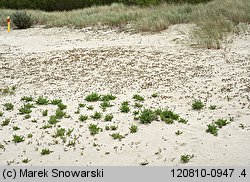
(56, 101)
(92, 97)
(138, 98)
(147, 116)
(108, 97)
(1, 113)
(113, 127)
(27, 116)
(27, 98)
(81, 105)
(34, 121)
(178, 132)
(83, 117)
(138, 105)
(181, 120)
(45, 112)
(69, 132)
(17, 138)
(212, 128)
(26, 109)
(116, 136)
(197, 105)
(46, 126)
(8, 90)
(53, 120)
(59, 133)
(46, 151)
(90, 108)
(212, 107)
(61, 106)
(60, 113)
(96, 115)
(186, 158)
(108, 117)
(42, 101)
(125, 107)
(221, 122)
(105, 104)
(167, 116)
(133, 128)
(107, 127)
(5, 122)
(25, 161)
(154, 95)
(30, 135)
(94, 129)
(15, 128)
(8, 106)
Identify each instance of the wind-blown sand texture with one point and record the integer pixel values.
(69, 64)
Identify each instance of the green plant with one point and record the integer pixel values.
(212, 107)
(147, 116)
(17, 138)
(34, 121)
(8, 106)
(42, 100)
(94, 129)
(22, 20)
(138, 105)
(138, 97)
(81, 105)
(108, 117)
(125, 107)
(154, 95)
(105, 104)
(92, 97)
(8, 90)
(135, 113)
(90, 108)
(60, 113)
(15, 128)
(69, 132)
(83, 118)
(59, 133)
(56, 101)
(46, 126)
(186, 158)
(181, 120)
(77, 111)
(96, 115)
(221, 122)
(5, 122)
(1, 113)
(197, 105)
(117, 136)
(27, 98)
(46, 151)
(26, 161)
(45, 112)
(61, 106)
(26, 109)
(113, 127)
(133, 128)
(108, 97)
(168, 116)
(212, 128)
(30, 135)
(27, 116)
(53, 120)
(107, 127)
(178, 132)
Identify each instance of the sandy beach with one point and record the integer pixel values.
(69, 64)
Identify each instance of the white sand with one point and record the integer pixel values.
(69, 64)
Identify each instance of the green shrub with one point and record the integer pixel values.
(147, 116)
(22, 20)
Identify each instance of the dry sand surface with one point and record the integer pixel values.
(69, 64)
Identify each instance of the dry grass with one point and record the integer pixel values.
(214, 19)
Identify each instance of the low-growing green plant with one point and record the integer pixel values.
(178, 132)
(108, 117)
(60, 113)
(61, 106)
(42, 101)
(212, 107)
(53, 120)
(1, 113)
(83, 117)
(221, 122)
(107, 127)
(197, 105)
(154, 95)
(135, 113)
(138, 105)
(56, 101)
(46, 151)
(60, 132)
(90, 108)
(22, 20)
(26, 109)
(94, 129)
(186, 158)
(45, 112)
(69, 132)
(81, 105)
(34, 121)
(27, 116)
(5, 122)
(30, 135)
(105, 104)
(46, 126)
(133, 128)
(15, 128)
(25, 161)
(138, 98)
(212, 128)
(116, 136)
(96, 115)
(17, 138)
(113, 127)
(8, 90)
(167, 116)
(108, 97)
(92, 97)
(147, 116)
(181, 120)
(8, 106)
(27, 98)
(125, 107)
